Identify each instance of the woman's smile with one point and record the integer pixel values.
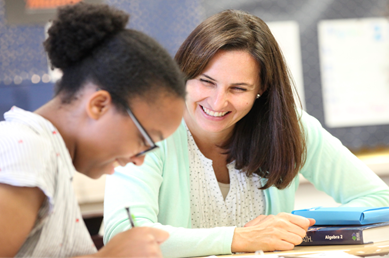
(214, 114)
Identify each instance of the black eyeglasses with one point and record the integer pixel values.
(145, 135)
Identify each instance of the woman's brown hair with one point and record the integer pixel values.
(269, 140)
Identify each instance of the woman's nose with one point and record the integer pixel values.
(220, 100)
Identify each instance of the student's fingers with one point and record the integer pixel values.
(135, 242)
(159, 235)
(255, 221)
(311, 222)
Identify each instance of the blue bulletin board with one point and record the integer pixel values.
(23, 63)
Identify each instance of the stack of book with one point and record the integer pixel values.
(346, 226)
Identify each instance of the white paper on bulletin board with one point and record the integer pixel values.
(288, 37)
(354, 61)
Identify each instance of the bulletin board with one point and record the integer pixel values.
(296, 24)
(25, 78)
(354, 61)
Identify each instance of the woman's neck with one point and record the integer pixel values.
(208, 142)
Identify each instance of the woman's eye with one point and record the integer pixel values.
(239, 89)
(206, 82)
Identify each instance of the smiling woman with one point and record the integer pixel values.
(120, 93)
(226, 179)
(222, 94)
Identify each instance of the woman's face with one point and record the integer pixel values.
(115, 139)
(223, 93)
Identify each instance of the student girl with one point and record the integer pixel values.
(226, 180)
(120, 93)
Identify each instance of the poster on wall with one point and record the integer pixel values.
(26, 12)
(354, 64)
(288, 38)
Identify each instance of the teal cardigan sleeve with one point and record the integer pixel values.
(158, 194)
(332, 168)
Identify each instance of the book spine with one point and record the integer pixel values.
(333, 237)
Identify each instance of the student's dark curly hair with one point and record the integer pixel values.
(90, 43)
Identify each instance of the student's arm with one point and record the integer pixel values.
(332, 168)
(141, 188)
(156, 199)
(19, 208)
(22, 194)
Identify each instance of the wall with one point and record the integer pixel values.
(22, 58)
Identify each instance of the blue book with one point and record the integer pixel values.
(347, 235)
(345, 215)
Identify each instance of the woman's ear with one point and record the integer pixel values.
(98, 104)
(261, 91)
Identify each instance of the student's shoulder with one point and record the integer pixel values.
(16, 129)
(14, 135)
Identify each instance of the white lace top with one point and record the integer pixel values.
(209, 209)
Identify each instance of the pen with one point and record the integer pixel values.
(130, 217)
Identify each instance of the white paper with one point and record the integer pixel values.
(285, 254)
(337, 254)
(288, 38)
(354, 60)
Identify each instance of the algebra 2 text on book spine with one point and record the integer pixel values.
(333, 237)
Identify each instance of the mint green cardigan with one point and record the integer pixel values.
(158, 192)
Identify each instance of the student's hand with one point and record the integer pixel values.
(136, 242)
(270, 233)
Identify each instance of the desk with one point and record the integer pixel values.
(380, 248)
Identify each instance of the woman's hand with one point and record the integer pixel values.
(135, 242)
(269, 233)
